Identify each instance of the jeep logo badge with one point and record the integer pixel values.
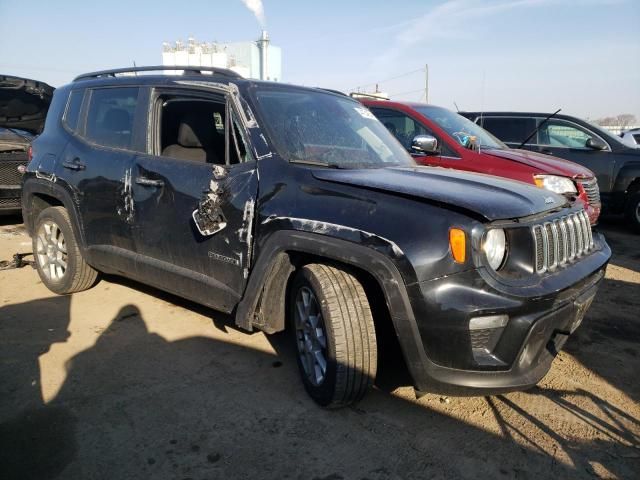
(549, 200)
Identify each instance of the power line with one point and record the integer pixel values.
(407, 93)
(402, 75)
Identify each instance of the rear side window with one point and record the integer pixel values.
(72, 113)
(510, 130)
(110, 117)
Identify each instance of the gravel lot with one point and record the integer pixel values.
(125, 382)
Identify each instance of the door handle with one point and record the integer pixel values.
(149, 182)
(74, 164)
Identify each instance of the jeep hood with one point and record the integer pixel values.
(24, 103)
(493, 198)
(544, 163)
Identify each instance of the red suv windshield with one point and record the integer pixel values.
(460, 128)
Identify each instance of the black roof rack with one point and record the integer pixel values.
(366, 95)
(331, 90)
(188, 70)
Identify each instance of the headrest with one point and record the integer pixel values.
(116, 120)
(196, 131)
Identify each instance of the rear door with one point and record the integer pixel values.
(96, 164)
(194, 212)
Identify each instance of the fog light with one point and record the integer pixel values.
(492, 321)
(484, 334)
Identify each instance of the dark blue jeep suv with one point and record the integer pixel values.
(294, 208)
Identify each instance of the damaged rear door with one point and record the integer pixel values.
(194, 195)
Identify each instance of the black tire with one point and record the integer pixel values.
(632, 211)
(350, 351)
(77, 275)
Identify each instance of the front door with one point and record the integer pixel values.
(194, 195)
(568, 140)
(405, 128)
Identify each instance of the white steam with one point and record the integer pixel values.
(258, 10)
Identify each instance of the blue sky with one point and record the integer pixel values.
(582, 56)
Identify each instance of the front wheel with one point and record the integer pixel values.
(334, 333)
(632, 211)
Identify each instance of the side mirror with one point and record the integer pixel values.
(596, 143)
(425, 144)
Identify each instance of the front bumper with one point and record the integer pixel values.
(460, 361)
(10, 198)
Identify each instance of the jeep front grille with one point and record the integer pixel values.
(592, 191)
(561, 241)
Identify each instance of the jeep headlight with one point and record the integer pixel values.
(555, 183)
(495, 247)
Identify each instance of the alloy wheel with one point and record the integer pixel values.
(51, 251)
(311, 336)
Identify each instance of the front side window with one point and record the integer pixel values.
(558, 133)
(402, 126)
(195, 130)
(510, 129)
(322, 128)
(110, 117)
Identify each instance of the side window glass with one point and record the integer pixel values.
(110, 117)
(239, 151)
(557, 133)
(72, 113)
(403, 127)
(193, 129)
(510, 130)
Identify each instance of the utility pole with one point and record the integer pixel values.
(426, 83)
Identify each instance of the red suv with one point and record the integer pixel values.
(439, 137)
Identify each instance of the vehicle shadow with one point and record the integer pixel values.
(30, 430)
(607, 340)
(134, 405)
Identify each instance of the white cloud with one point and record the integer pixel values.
(453, 18)
(257, 9)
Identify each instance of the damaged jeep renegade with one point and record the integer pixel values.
(294, 208)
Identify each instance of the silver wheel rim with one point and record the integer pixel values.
(638, 212)
(51, 251)
(311, 337)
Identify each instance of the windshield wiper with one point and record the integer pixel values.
(535, 130)
(318, 164)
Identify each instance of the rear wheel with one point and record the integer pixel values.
(58, 259)
(334, 334)
(632, 211)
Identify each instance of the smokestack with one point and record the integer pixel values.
(263, 46)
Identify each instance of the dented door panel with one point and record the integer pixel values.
(172, 194)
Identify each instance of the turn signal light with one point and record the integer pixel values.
(30, 153)
(458, 244)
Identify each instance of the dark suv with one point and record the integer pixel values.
(292, 207)
(615, 164)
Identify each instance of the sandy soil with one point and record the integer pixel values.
(125, 382)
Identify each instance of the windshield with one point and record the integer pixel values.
(463, 130)
(326, 129)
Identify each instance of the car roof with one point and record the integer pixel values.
(129, 77)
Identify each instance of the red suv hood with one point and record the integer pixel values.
(545, 163)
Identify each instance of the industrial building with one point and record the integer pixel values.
(258, 59)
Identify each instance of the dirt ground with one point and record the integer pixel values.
(125, 382)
